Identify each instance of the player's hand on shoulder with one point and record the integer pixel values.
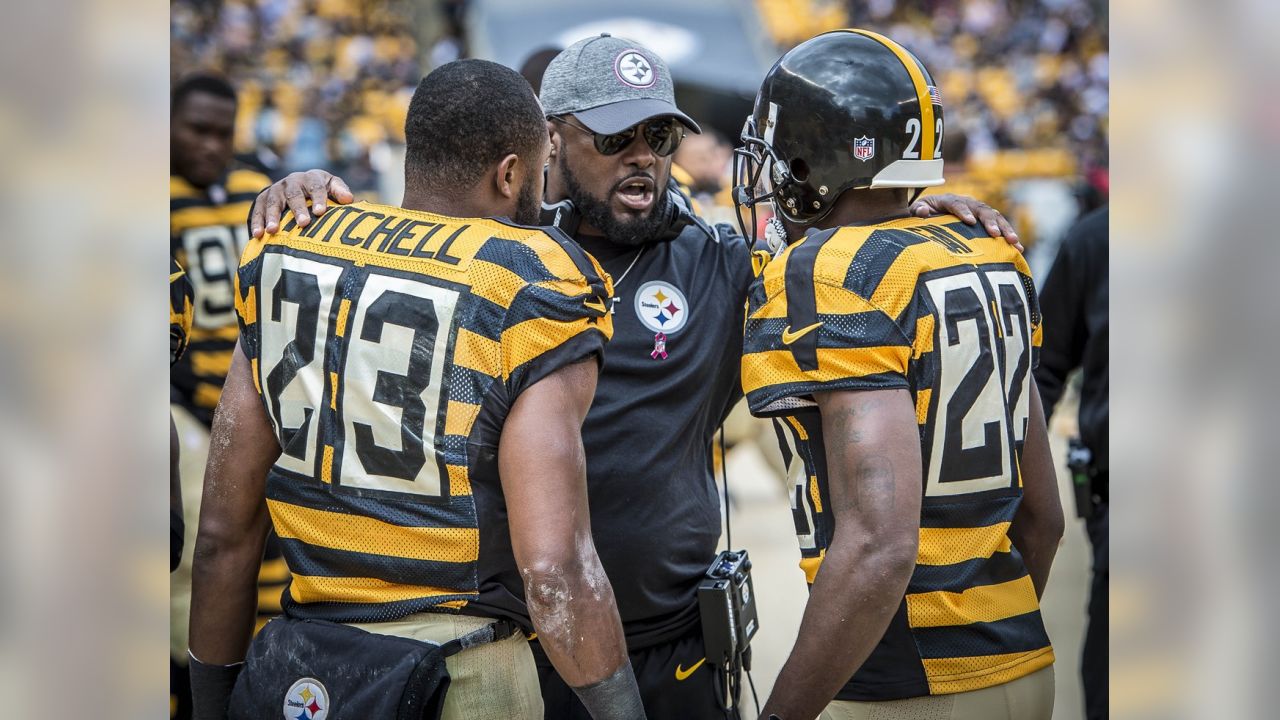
(971, 210)
(304, 193)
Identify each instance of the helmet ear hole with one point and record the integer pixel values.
(799, 170)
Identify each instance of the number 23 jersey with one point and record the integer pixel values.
(935, 307)
(388, 346)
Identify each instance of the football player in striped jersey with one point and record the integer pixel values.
(405, 408)
(894, 354)
(209, 199)
(180, 313)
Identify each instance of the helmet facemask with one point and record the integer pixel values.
(759, 174)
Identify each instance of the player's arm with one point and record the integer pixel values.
(543, 469)
(874, 476)
(298, 192)
(229, 544)
(1038, 525)
(970, 210)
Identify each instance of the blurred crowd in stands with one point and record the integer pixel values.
(327, 82)
(321, 83)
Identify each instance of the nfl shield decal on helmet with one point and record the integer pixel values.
(661, 307)
(864, 148)
(307, 699)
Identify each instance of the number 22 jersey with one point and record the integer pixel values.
(388, 346)
(935, 307)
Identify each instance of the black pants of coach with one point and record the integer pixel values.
(675, 683)
(1094, 656)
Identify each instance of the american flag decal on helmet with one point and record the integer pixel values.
(935, 95)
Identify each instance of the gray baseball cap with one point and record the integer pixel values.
(610, 83)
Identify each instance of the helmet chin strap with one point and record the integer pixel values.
(775, 233)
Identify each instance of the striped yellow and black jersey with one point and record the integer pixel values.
(207, 233)
(388, 346)
(937, 308)
(180, 310)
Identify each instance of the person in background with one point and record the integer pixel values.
(536, 64)
(209, 198)
(180, 315)
(1074, 302)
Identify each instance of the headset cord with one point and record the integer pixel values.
(724, 477)
(733, 676)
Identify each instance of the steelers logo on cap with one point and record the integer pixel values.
(634, 69)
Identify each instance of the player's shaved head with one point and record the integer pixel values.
(465, 117)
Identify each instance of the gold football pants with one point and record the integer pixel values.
(1030, 697)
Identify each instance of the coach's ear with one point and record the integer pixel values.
(555, 139)
(506, 178)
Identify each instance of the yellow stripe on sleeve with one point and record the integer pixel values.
(527, 340)
(477, 352)
(774, 367)
(985, 603)
(500, 285)
(356, 533)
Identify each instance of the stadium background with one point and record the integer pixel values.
(326, 83)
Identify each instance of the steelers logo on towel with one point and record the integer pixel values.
(306, 700)
(661, 307)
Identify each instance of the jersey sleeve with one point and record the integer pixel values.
(817, 337)
(246, 299)
(1033, 306)
(181, 310)
(554, 323)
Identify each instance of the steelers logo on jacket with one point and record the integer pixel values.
(661, 307)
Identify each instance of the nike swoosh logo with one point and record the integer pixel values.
(682, 674)
(175, 276)
(596, 304)
(789, 337)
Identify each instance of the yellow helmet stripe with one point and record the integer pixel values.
(928, 137)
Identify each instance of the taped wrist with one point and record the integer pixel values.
(617, 697)
(211, 687)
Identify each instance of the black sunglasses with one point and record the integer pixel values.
(663, 136)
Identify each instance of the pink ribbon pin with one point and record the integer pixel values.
(659, 347)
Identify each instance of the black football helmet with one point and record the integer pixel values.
(845, 110)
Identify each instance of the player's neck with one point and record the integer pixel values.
(863, 207)
(460, 205)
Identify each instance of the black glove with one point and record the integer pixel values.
(617, 697)
(211, 687)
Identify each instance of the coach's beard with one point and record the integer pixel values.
(643, 230)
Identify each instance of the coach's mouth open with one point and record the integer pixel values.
(635, 194)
